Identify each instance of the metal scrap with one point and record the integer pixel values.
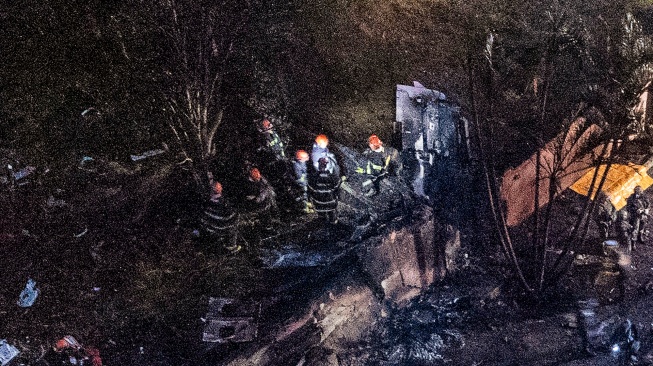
(230, 320)
(7, 352)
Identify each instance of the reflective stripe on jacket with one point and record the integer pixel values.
(219, 218)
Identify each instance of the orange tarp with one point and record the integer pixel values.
(562, 156)
(619, 184)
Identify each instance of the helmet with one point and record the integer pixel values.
(322, 141)
(375, 142)
(217, 188)
(266, 124)
(255, 174)
(301, 155)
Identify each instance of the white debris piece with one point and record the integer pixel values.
(7, 352)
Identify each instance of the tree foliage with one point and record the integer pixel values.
(555, 64)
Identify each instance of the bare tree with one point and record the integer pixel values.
(201, 39)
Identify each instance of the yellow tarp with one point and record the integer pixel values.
(619, 184)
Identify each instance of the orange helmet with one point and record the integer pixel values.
(301, 155)
(266, 124)
(217, 188)
(322, 141)
(375, 142)
(255, 174)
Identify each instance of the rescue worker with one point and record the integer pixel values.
(637, 206)
(219, 221)
(260, 199)
(301, 179)
(380, 161)
(606, 217)
(320, 150)
(272, 143)
(324, 185)
(624, 231)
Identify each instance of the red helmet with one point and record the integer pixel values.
(255, 174)
(322, 141)
(217, 188)
(266, 124)
(301, 155)
(375, 142)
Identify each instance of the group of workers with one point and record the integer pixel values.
(629, 223)
(316, 181)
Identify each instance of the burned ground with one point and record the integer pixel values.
(118, 269)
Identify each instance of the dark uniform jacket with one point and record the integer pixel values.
(273, 145)
(636, 206)
(219, 218)
(259, 196)
(301, 174)
(323, 190)
(380, 162)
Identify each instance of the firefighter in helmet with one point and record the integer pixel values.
(379, 162)
(260, 199)
(321, 150)
(219, 221)
(271, 142)
(300, 170)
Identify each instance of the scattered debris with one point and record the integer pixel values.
(89, 110)
(53, 202)
(609, 246)
(290, 256)
(67, 342)
(7, 352)
(624, 343)
(88, 164)
(24, 172)
(148, 154)
(68, 351)
(81, 234)
(15, 177)
(229, 320)
(29, 294)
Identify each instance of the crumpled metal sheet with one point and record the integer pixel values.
(292, 257)
(428, 121)
(231, 320)
(7, 352)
